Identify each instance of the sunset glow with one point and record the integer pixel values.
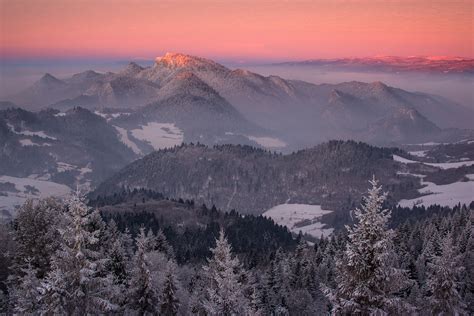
(235, 29)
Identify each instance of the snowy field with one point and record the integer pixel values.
(291, 214)
(418, 153)
(45, 189)
(159, 135)
(445, 195)
(268, 142)
(442, 165)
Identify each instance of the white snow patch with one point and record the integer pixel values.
(45, 188)
(410, 174)
(27, 142)
(123, 135)
(268, 142)
(429, 144)
(159, 135)
(63, 166)
(291, 214)
(442, 165)
(450, 165)
(418, 153)
(100, 114)
(444, 195)
(30, 133)
(109, 116)
(403, 160)
(60, 114)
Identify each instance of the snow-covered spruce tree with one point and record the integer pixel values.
(116, 252)
(443, 280)
(367, 277)
(224, 293)
(36, 234)
(26, 294)
(255, 303)
(163, 246)
(276, 283)
(169, 302)
(74, 286)
(469, 264)
(143, 298)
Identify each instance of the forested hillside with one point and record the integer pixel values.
(252, 180)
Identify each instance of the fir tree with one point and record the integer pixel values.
(367, 277)
(142, 295)
(162, 245)
(444, 280)
(74, 286)
(169, 302)
(255, 303)
(224, 295)
(36, 234)
(26, 295)
(116, 251)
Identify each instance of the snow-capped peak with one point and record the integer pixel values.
(178, 60)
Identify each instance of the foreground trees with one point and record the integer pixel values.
(223, 282)
(75, 285)
(64, 259)
(368, 278)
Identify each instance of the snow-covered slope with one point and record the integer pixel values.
(445, 195)
(303, 218)
(15, 191)
(159, 135)
(442, 165)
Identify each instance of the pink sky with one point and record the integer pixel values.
(235, 29)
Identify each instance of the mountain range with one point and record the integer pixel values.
(191, 92)
(420, 64)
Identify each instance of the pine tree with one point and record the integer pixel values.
(169, 302)
(224, 295)
(74, 286)
(142, 295)
(367, 277)
(444, 279)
